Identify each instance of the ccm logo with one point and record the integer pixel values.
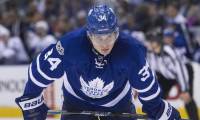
(34, 103)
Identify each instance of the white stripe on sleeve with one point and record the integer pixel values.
(42, 73)
(151, 96)
(147, 88)
(33, 79)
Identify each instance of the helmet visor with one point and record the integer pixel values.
(103, 39)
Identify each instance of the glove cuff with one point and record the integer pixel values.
(167, 111)
(26, 103)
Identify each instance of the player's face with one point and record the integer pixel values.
(103, 43)
(168, 40)
(155, 47)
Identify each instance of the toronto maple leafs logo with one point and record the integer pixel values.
(95, 88)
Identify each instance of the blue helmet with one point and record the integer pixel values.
(101, 20)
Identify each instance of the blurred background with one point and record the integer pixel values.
(29, 26)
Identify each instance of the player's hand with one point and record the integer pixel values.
(185, 96)
(33, 107)
(169, 113)
(175, 115)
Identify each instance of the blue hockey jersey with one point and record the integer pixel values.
(96, 82)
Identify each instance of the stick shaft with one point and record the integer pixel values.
(98, 113)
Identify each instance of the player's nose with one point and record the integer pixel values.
(105, 46)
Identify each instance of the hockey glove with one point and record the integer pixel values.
(169, 113)
(33, 107)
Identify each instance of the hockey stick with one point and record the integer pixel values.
(100, 114)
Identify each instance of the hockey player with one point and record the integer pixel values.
(99, 65)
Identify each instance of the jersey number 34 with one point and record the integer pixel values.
(54, 62)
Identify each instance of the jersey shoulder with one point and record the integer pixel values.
(75, 41)
(76, 46)
(75, 36)
(140, 75)
(134, 48)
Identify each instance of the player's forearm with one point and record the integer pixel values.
(160, 110)
(153, 107)
(31, 88)
(32, 102)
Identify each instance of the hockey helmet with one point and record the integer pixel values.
(101, 19)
